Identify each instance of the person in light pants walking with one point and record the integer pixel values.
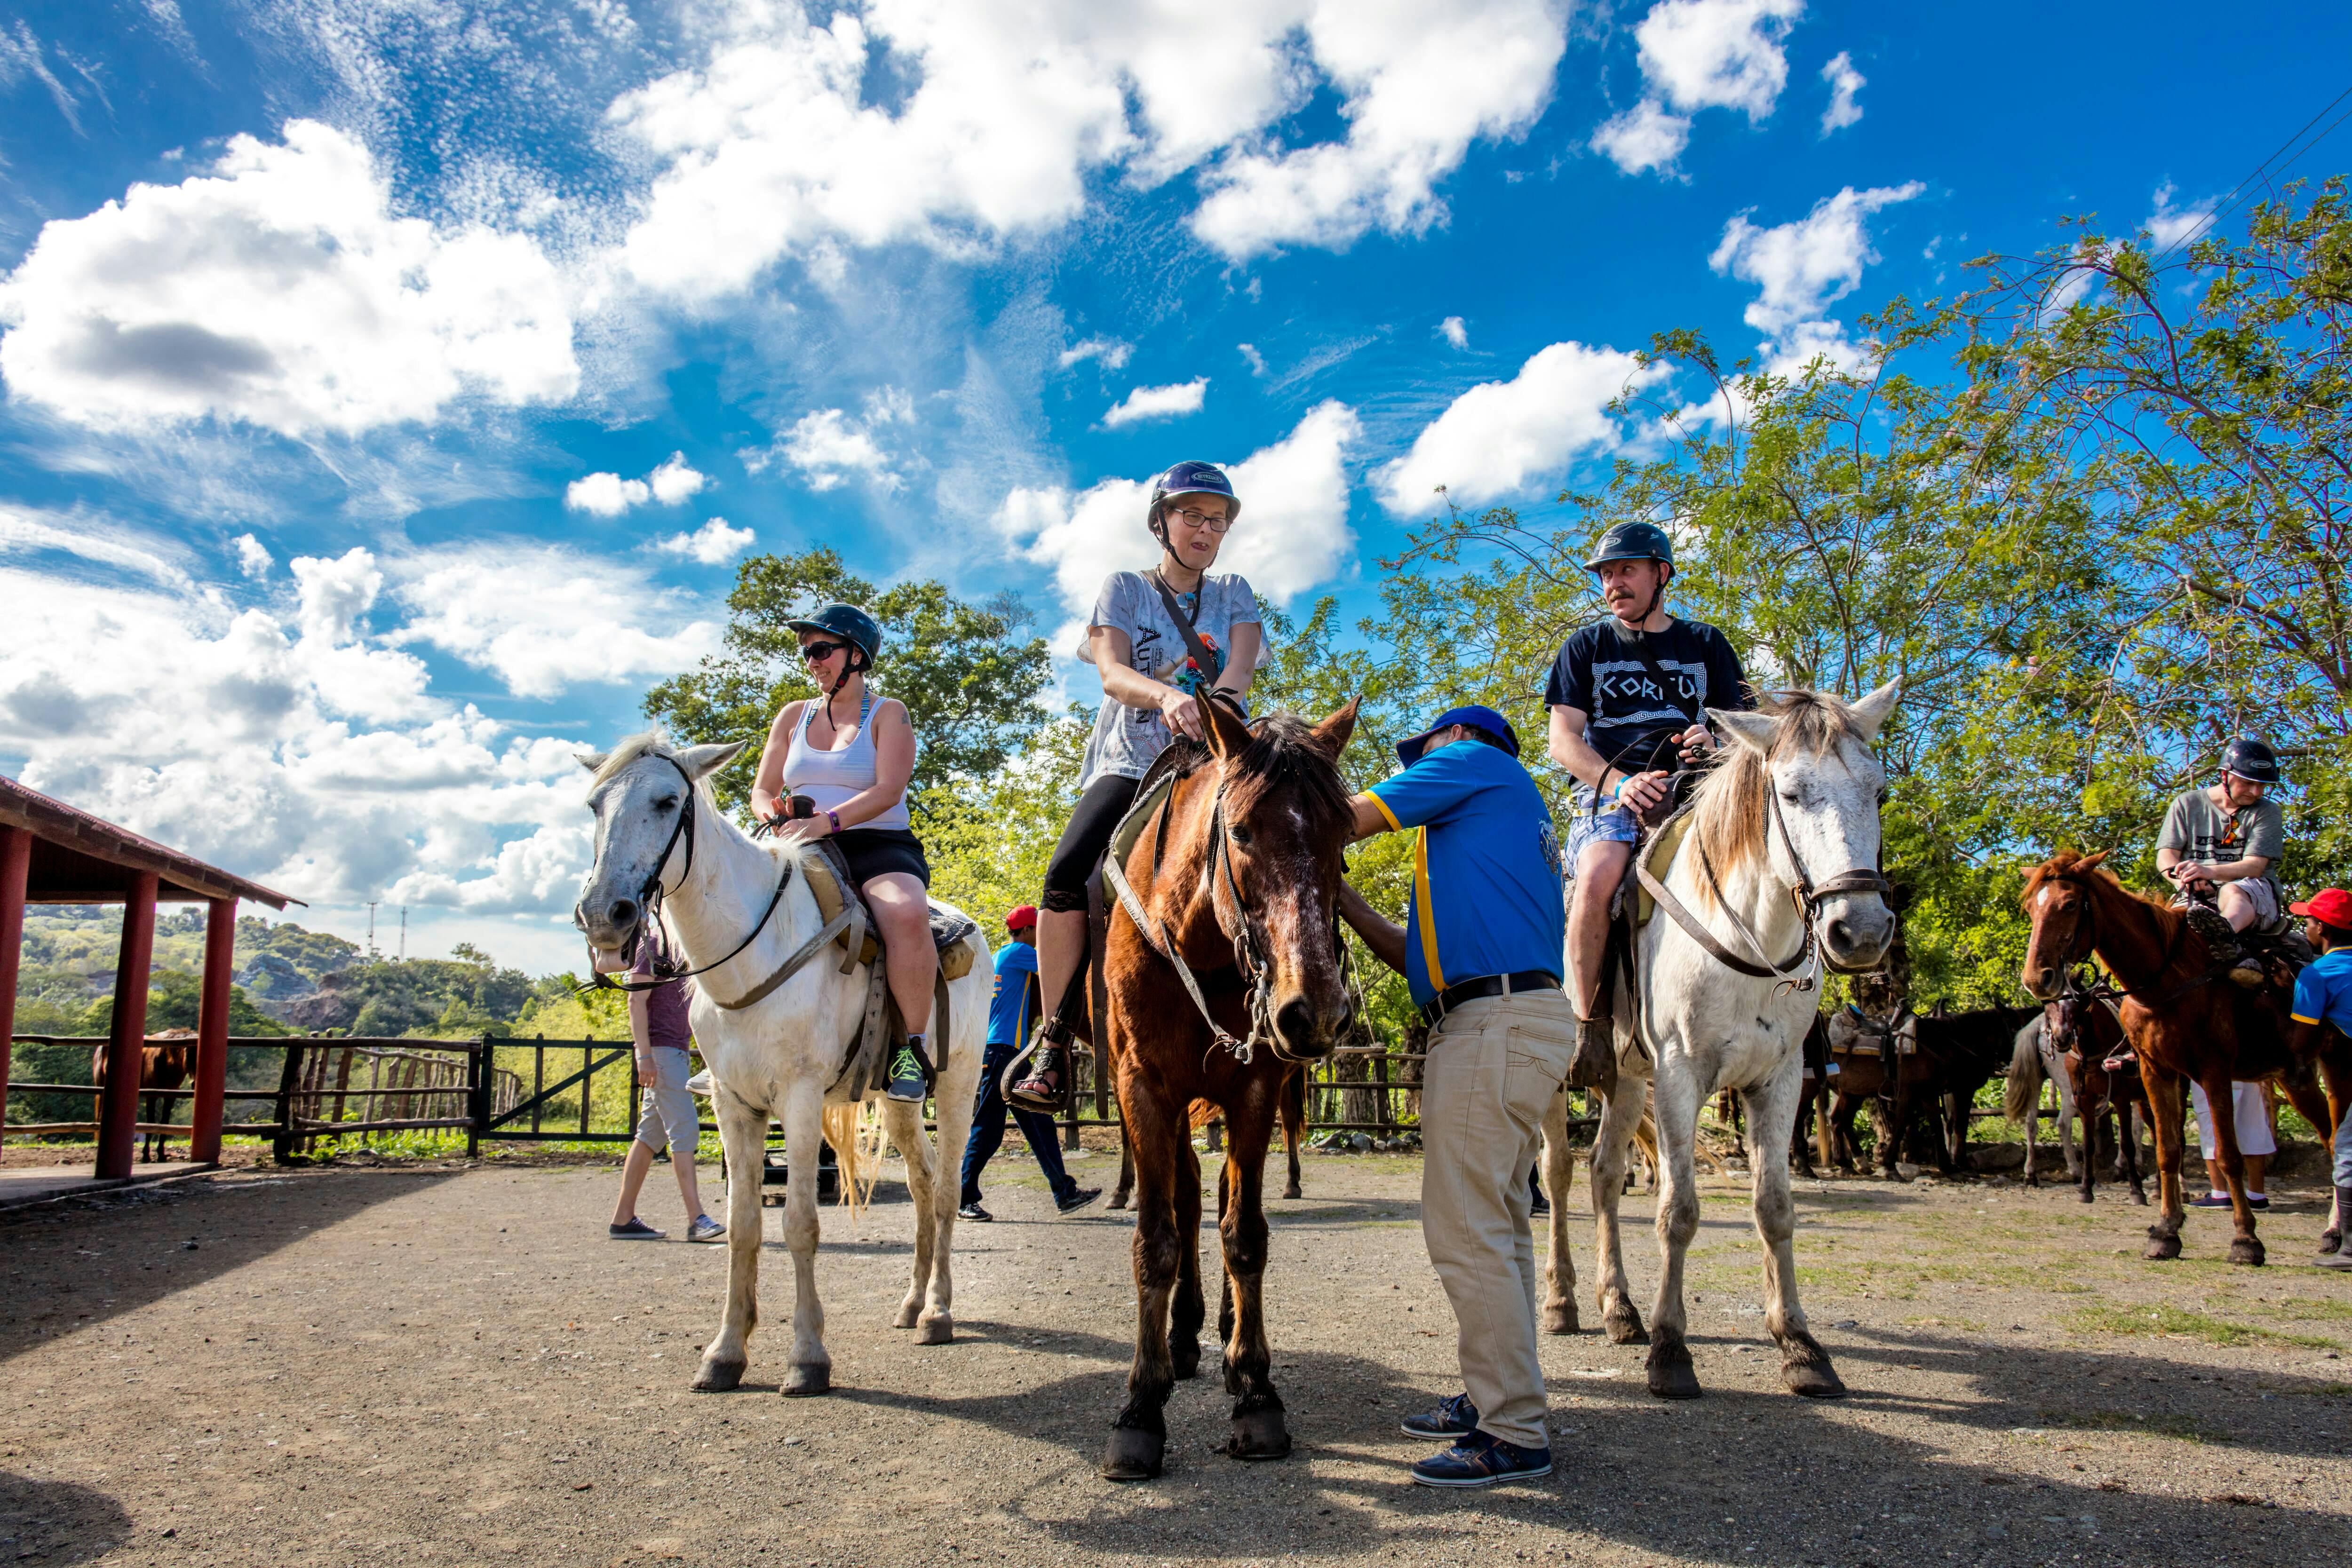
(1480, 951)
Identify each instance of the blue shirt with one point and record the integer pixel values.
(1485, 872)
(2322, 992)
(1008, 1008)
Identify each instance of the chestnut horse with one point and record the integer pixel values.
(164, 1062)
(2184, 1018)
(1237, 976)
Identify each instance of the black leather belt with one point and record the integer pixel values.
(1487, 986)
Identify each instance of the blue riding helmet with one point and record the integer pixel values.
(1632, 541)
(845, 621)
(2250, 759)
(1408, 752)
(1191, 479)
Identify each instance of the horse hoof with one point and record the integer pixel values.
(2140, 1199)
(1805, 1369)
(2161, 1248)
(2249, 1251)
(1560, 1319)
(1671, 1375)
(718, 1376)
(1290, 1189)
(1133, 1455)
(2084, 1197)
(2329, 1241)
(906, 1314)
(804, 1380)
(1183, 1360)
(1118, 1200)
(1260, 1435)
(1623, 1324)
(939, 1330)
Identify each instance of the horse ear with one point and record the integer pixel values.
(1753, 730)
(2092, 862)
(590, 760)
(699, 761)
(1871, 712)
(1332, 734)
(1227, 736)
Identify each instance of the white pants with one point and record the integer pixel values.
(2247, 1114)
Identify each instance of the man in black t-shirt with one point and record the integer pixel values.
(1629, 695)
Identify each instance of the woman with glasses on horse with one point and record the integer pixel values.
(1152, 691)
(850, 754)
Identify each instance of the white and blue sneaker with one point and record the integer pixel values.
(1481, 1460)
(1454, 1417)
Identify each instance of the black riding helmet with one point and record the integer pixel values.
(853, 627)
(2250, 759)
(1632, 542)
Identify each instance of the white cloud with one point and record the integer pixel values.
(1802, 268)
(543, 619)
(1255, 360)
(1646, 136)
(1453, 331)
(1502, 438)
(1171, 402)
(1112, 352)
(2169, 225)
(827, 446)
(609, 495)
(280, 291)
(1845, 83)
(712, 544)
(1697, 54)
(252, 558)
(994, 114)
(1293, 533)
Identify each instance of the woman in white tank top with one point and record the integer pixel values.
(851, 755)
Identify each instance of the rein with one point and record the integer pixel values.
(2085, 934)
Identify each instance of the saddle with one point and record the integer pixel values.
(864, 1064)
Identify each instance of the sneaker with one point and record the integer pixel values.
(705, 1228)
(1454, 1417)
(906, 1082)
(1079, 1198)
(2258, 1201)
(1042, 1089)
(1480, 1460)
(2340, 1259)
(635, 1230)
(1538, 1204)
(2220, 939)
(973, 1211)
(2210, 1200)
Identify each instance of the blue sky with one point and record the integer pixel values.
(391, 388)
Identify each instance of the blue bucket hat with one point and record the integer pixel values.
(1408, 752)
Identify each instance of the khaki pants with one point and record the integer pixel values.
(1494, 1065)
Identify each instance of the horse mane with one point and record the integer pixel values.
(1282, 752)
(628, 750)
(1729, 808)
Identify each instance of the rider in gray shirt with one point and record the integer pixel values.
(2223, 844)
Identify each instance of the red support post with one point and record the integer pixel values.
(118, 1114)
(212, 1032)
(15, 862)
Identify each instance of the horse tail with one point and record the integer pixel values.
(2024, 1095)
(840, 1130)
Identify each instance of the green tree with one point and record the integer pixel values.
(968, 679)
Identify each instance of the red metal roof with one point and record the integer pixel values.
(81, 858)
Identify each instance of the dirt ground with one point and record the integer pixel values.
(431, 1365)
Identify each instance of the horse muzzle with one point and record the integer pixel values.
(1304, 1032)
(1855, 939)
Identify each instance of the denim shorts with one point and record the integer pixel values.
(1618, 825)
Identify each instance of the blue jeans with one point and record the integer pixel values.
(987, 1130)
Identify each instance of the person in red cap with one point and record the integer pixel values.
(2323, 1000)
(1009, 1012)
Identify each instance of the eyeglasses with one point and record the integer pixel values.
(1211, 521)
(818, 653)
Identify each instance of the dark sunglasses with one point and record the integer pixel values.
(818, 653)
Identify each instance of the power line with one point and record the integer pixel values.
(2230, 202)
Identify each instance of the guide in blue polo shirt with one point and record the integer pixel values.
(1481, 950)
(1486, 865)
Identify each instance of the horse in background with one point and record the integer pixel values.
(166, 1061)
(2184, 1020)
(2077, 1046)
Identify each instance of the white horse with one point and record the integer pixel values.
(1788, 823)
(739, 913)
(2031, 1063)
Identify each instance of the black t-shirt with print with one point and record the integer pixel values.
(1599, 673)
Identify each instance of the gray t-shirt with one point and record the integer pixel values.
(2203, 831)
(1126, 741)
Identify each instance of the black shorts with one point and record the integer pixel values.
(876, 851)
(1107, 800)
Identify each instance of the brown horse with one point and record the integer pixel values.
(1236, 877)
(2085, 1035)
(1294, 1130)
(2184, 1020)
(164, 1062)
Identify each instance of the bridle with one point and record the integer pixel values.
(2083, 941)
(649, 901)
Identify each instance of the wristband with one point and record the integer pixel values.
(834, 819)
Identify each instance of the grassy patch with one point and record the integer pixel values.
(2182, 1321)
(1970, 1324)
(2188, 1428)
(2313, 1307)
